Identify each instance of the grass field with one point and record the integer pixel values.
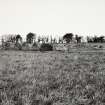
(52, 78)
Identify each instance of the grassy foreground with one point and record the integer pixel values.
(52, 78)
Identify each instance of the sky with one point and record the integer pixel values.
(52, 17)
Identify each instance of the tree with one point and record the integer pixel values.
(55, 41)
(18, 38)
(89, 39)
(60, 40)
(30, 37)
(9, 38)
(39, 39)
(47, 39)
(101, 38)
(78, 38)
(68, 37)
(96, 39)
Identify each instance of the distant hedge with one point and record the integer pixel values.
(46, 47)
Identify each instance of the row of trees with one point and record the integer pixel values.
(67, 38)
(30, 38)
(96, 39)
(33, 42)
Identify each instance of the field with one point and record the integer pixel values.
(52, 78)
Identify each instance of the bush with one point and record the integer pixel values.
(46, 47)
(18, 46)
(100, 46)
(6, 46)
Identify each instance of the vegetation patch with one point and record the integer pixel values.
(46, 47)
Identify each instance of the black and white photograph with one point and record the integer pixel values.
(52, 52)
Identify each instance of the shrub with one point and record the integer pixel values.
(100, 46)
(18, 46)
(46, 47)
(6, 46)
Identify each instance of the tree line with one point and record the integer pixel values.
(67, 38)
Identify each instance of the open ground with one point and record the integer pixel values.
(52, 78)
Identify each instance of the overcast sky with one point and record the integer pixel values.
(56, 17)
